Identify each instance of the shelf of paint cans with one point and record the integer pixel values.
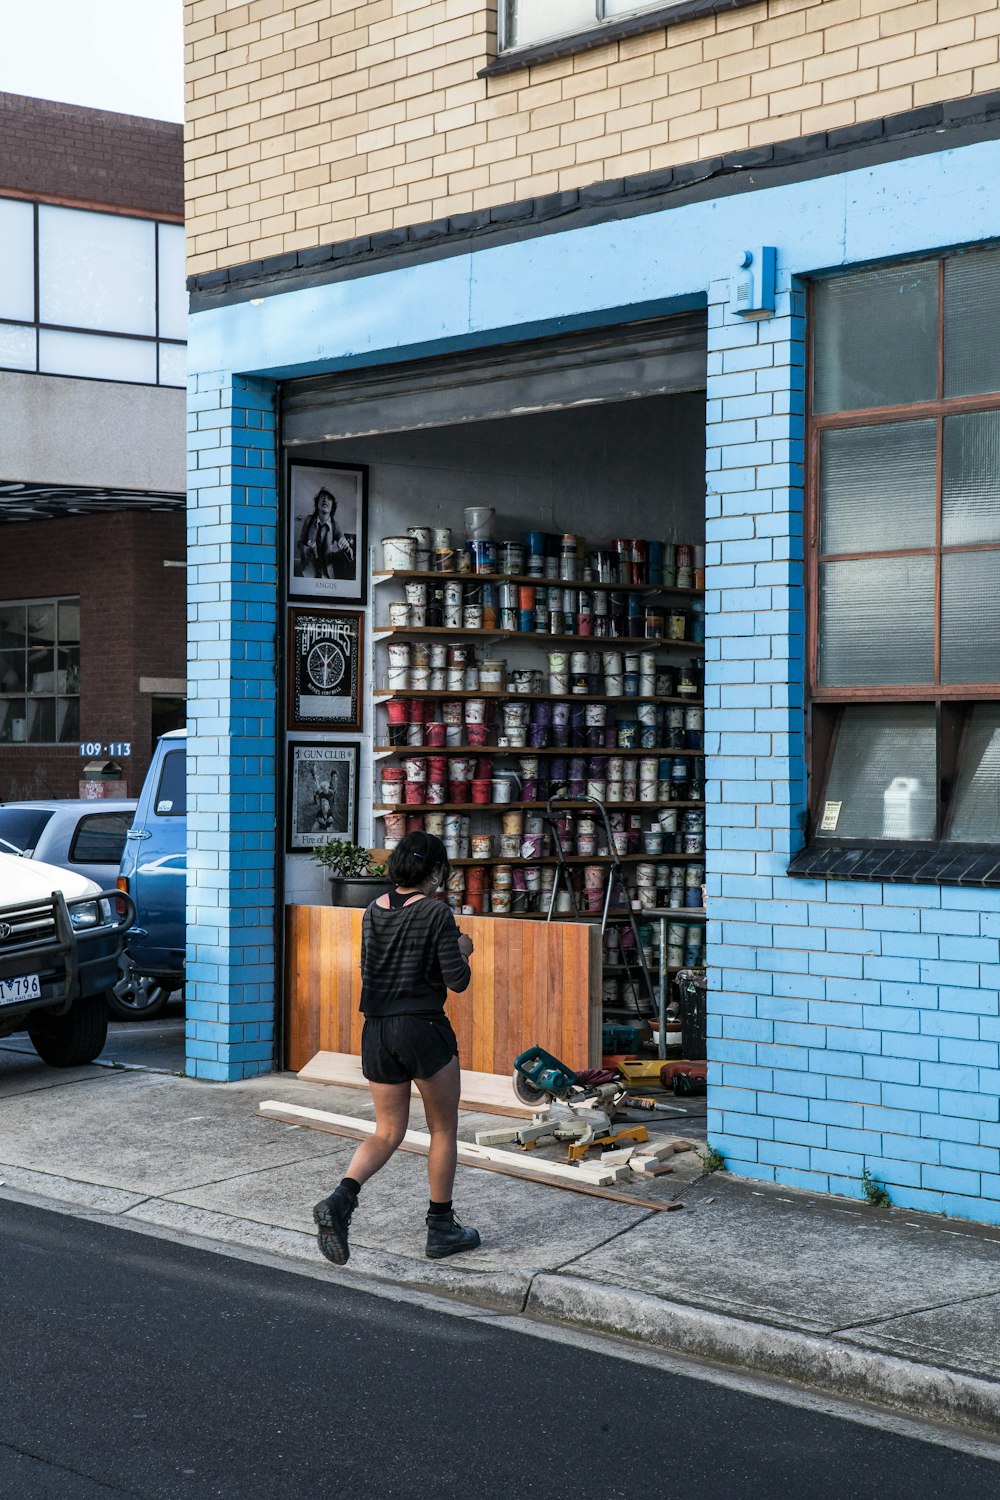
(530, 580)
(570, 683)
(561, 608)
(632, 970)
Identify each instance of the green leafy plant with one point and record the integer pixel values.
(712, 1160)
(346, 861)
(875, 1194)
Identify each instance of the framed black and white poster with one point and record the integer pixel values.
(327, 532)
(322, 794)
(325, 656)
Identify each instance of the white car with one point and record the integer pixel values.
(61, 937)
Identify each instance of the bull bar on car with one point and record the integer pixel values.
(39, 937)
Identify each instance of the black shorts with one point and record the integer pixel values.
(397, 1049)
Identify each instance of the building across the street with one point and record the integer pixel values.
(92, 370)
(686, 319)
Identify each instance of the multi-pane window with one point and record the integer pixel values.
(904, 553)
(40, 672)
(98, 295)
(523, 22)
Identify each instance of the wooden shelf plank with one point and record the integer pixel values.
(658, 643)
(580, 859)
(571, 751)
(617, 913)
(385, 696)
(501, 807)
(383, 575)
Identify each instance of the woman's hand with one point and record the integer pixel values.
(465, 945)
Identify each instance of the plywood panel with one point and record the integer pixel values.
(532, 982)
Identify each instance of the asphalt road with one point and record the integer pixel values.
(134, 1366)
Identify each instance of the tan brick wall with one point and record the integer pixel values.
(317, 120)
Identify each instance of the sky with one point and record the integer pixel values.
(125, 55)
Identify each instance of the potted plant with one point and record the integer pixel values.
(355, 877)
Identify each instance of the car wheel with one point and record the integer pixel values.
(69, 1040)
(138, 998)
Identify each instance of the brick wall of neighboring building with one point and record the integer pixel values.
(132, 615)
(325, 119)
(63, 152)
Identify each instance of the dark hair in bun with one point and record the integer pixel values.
(414, 857)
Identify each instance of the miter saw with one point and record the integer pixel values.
(575, 1107)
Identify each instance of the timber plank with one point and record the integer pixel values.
(548, 1173)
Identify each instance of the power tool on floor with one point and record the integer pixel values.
(685, 1077)
(578, 1107)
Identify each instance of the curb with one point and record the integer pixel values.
(492, 1290)
(830, 1364)
(927, 1391)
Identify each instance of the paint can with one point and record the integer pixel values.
(479, 521)
(510, 556)
(398, 552)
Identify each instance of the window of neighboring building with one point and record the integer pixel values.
(40, 672)
(90, 294)
(904, 553)
(523, 22)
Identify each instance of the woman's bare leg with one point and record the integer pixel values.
(440, 1094)
(392, 1113)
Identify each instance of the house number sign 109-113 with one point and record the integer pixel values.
(117, 749)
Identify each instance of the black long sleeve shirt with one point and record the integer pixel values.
(410, 959)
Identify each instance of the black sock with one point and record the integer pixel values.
(439, 1208)
(351, 1185)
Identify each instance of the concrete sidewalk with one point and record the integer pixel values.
(880, 1305)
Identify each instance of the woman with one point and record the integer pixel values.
(412, 954)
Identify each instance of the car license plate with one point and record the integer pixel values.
(24, 987)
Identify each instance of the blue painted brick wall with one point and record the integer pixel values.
(232, 618)
(851, 1026)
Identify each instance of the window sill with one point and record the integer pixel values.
(606, 31)
(899, 864)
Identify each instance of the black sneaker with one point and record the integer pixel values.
(333, 1219)
(445, 1236)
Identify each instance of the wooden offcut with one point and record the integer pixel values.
(484, 1093)
(552, 1173)
(533, 983)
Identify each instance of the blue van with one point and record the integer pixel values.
(154, 873)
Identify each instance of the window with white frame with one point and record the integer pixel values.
(524, 22)
(40, 672)
(96, 295)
